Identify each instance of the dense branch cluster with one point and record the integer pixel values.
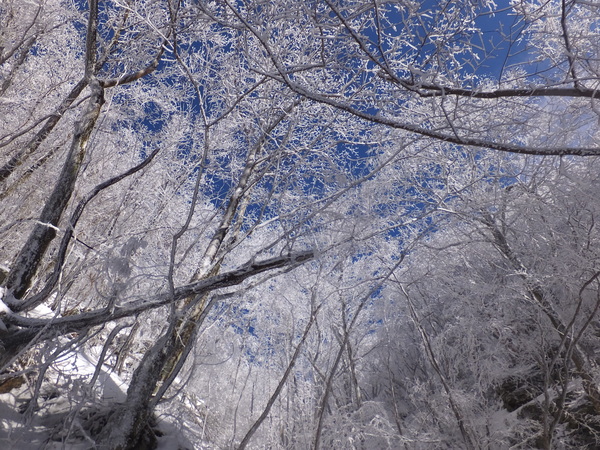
(313, 224)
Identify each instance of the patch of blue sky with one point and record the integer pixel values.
(502, 44)
(498, 46)
(154, 120)
(485, 48)
(262, 340)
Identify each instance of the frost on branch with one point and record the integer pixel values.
(165, 165)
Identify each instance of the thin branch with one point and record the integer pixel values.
(63, 325)
(129, 78)
(434, 90)
(284, 75)
(60, 257)
(284, 378)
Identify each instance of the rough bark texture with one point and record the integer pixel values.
(7, 169)
(30, 256)
(128, 422)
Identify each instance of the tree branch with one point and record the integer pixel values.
(284, 378)
(60, 257)
(64, 325)
(129, 78)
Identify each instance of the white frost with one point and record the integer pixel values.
(4, 309)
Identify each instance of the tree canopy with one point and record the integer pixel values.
(315, 224)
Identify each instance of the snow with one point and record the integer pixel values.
(4, 309)
(109, 385)
(41, 312)
(172, 438)
(67, 389)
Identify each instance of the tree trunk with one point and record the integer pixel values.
(29, 258)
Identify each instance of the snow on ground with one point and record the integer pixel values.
(67, 390)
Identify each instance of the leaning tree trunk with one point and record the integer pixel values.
(29, 258)
(128, 422)
(162, 362)
(44, 231)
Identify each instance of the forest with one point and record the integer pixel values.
(316, 224)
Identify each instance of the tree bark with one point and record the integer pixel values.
(29, 258)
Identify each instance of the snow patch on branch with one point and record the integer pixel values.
(4, 309)
(49, 225)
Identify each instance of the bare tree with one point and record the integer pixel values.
(162, 161)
